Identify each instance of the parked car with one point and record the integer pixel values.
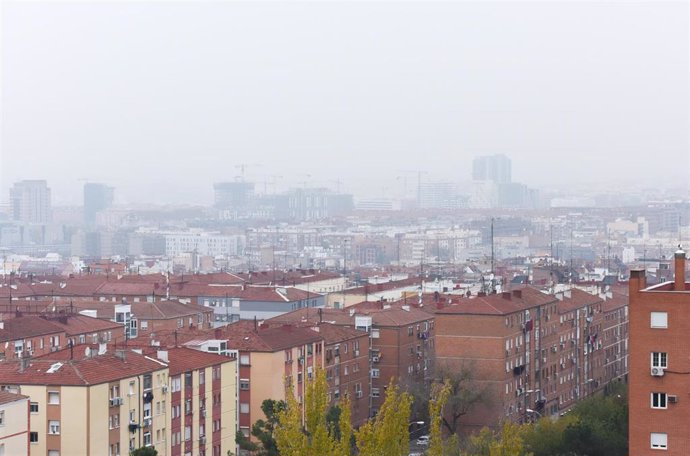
(423, 440)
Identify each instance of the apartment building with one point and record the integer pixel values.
(202, 401)
(14, 424)
(93, 404)
(268, 358)
(533, 354)
(401, 341)
(659, 364)
(347, 367)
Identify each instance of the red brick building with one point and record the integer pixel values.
(659, 364)
(533, 354)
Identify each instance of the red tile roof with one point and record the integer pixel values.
(76, 324)
(25, 327)
(6, 397)
(76, 372)
(496, 304)
(394, 316)
(186, 359)
(242, 336)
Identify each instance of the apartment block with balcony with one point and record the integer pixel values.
(94, 404)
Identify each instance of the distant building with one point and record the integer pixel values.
(233, 195)
(438, 195)
(30, 201)
(97, 197)
(203, 244)
(494, 168)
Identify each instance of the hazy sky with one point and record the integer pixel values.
(162, 99)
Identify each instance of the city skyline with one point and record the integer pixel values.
(420, 87)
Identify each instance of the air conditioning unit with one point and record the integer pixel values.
(672, 399)
(356, 352)
(164, 389)
(202, 412)
(657, 371)
(375, 359)
(202, 440)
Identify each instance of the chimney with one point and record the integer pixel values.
(679, 260)
(638, 280)
(506, 295)
(517, 294)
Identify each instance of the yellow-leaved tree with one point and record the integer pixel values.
(313, 435)
(289, 436)
(321, 441)
(388, 432)
(439, 397)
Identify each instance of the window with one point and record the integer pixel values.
(244, 384)
(660, 359)
(147, 439)
(34, 407)
(33, 437)
(53, 397)
(244, 360)
(375, 333)
(53, 452)
(375, 373)
(659, 400)
(2, 417)
(244, 408)
(54, 427)
(659, 440)
(659, 320)
(175, 384)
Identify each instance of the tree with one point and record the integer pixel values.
(602, 425)
(144, 451)
(464, 394)
(325, 431)
(507, 442)
(289, 435)
(388, 432)
(545, 437)
(263, 430)
(510, 442)
(439, 397)
(343, 429)
(321, 439)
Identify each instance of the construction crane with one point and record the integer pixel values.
(243, 166)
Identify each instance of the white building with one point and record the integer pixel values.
(201, 243)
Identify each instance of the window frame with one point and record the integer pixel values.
(660, 398)
(661, 436)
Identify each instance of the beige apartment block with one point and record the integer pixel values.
(14, 424)
(91, 405)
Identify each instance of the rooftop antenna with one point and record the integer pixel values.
(492, 245)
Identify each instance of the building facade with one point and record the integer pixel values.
(659, 364)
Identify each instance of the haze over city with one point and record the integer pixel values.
(162, 99)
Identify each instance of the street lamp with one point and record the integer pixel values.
(420, 427)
